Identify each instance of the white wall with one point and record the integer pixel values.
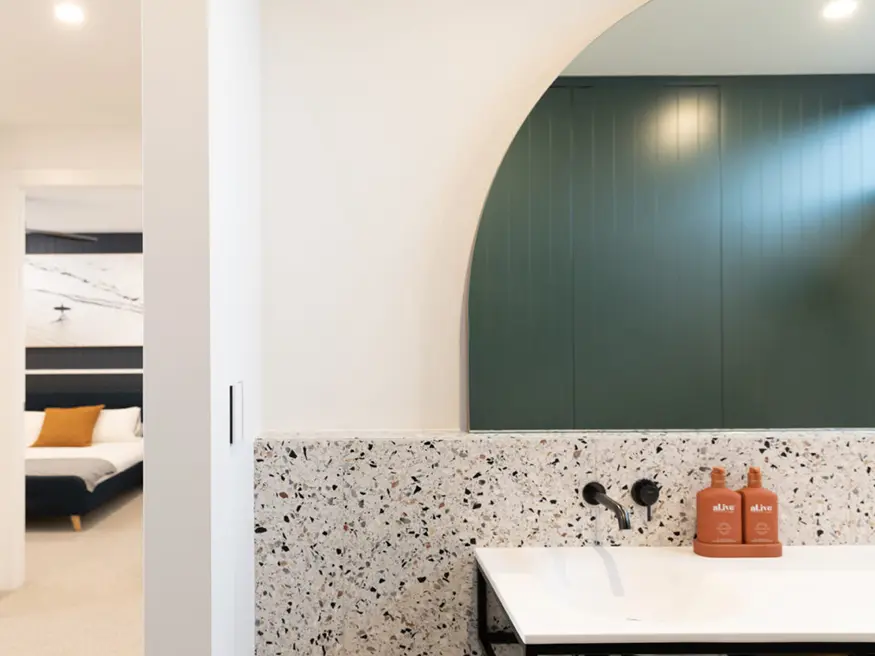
(85, 209)
(11, 383)
(70, 149)
(177, 386)
(202, 203)
(384, 124)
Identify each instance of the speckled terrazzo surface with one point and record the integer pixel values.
(364, 541)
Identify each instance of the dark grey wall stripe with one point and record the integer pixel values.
(99, 357)
(107, 242)
(84, 383)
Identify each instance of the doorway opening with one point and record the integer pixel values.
(70, 182)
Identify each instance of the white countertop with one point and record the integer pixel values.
(656, 595)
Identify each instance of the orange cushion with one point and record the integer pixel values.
(68, 426)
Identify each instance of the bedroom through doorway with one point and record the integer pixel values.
(71, 163)
(83, 301)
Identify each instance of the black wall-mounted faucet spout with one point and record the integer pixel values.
(595, 495)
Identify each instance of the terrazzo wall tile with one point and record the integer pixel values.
(820, 478)
(365, 542)
(300, 514)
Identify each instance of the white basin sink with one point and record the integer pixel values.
(644, 591)
(646, 595)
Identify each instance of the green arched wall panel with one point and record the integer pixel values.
(678, 253)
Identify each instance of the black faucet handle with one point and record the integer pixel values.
(645, 493)
(591, 493)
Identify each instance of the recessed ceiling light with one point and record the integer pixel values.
(69, 13)
(839, 9)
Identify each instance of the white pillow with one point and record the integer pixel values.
(33, 424)
(117, 425)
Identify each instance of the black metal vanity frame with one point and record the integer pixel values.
(488, 639)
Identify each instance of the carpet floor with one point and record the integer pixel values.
(83, 594)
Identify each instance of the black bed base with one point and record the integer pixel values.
(488, 640)
(55, 496)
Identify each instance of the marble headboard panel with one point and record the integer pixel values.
(84, 319)
(364, 542)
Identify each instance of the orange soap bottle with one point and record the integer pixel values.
(760, 521)
(718, 512)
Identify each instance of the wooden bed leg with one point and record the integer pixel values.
(77, 522)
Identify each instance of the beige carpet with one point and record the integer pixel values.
(84, 591)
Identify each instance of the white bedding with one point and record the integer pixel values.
(123, 455)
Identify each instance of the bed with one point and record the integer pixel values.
(73, 481)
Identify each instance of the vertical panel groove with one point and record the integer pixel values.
(571, 251)
(721, 145)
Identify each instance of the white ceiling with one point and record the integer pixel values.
(732, 37)
(91, 76)
(54, 76)
(84, 209)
